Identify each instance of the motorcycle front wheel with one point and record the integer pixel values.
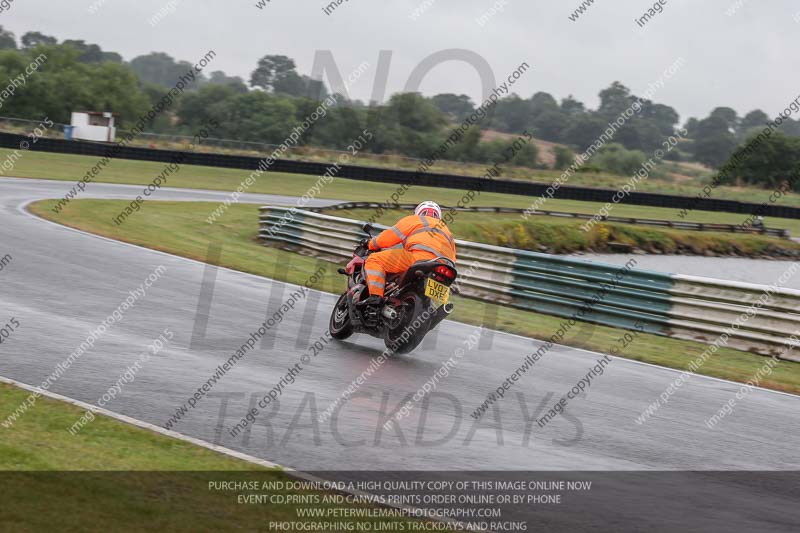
(340, 325)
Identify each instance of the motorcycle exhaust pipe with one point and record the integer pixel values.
(389, 312)
(441, 314)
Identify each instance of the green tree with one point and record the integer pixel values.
(769, 163)
(791, 127)
(234, 82)
(409, 124)
(728, 115)
(564, 157)
(456, 106)
(614, 100)
(113, 87)
(512, 114)
(211, 101)
(342, 125)
(691, 127)
(35, 38)
(164, 122)
(291, 84)
(542, 102)
(277, 73)
(551, 125)
(111, 57)
(754, 119)
(526, 156)
(272, 70)
(414, 112)
(7, 40)
(260, 116)
(470, 148)
(571, 106)
(617, 159)
(63, 84)
(713, 141)
(663, 117)
(584, 130)
(161, 69)
(92, 53)
(314, 89)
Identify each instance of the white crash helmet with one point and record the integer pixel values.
(429, 209)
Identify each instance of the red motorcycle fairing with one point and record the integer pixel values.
(354, 262)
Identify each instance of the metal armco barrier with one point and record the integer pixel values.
(684, 307)
(407, 177)
(692, 226)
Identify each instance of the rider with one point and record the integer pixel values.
(418, 237)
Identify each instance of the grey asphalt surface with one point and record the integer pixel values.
(61, 284)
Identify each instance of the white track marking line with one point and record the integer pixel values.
(214, 447)
(144, 425)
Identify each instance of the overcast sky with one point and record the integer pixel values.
(746, 60)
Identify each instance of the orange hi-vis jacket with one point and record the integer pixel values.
(414, 238)
(425, 237)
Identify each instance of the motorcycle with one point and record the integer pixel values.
(415, 301)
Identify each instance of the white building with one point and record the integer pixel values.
(93, 126)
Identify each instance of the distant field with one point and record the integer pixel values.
(73, 167)
(681, 171)
(678, 178)
(681, 178)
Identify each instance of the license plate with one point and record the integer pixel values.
(437, 292)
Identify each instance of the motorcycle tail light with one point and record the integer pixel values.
(445, 271)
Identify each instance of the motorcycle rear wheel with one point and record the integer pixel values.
(410, 309)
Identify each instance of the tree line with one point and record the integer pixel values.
(276, 98)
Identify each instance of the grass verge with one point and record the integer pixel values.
(189, 236)
(113, 476)
(64, 167)
(668, 178)
(564, 235)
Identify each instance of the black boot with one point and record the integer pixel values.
(371, 310)
(373, 301)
